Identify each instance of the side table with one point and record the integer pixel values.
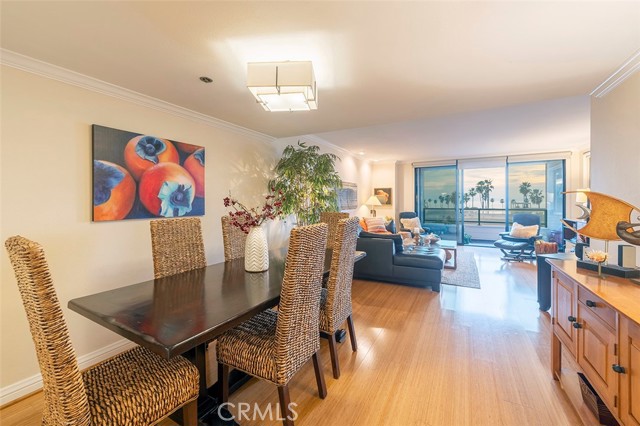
(449, 246)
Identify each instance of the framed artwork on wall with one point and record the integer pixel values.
(143, 176)
(384, 196)
(348, 196)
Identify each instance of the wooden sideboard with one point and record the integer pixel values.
(597, 321)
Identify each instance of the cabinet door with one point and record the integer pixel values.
(630, 379)
(564, 310)
(596, 355)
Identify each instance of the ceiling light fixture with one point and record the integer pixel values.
(283, 86)
(206, 79)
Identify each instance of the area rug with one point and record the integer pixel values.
(465, 275)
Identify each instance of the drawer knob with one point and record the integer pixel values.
(591, 303)
(577, 325)
(618, 369)
(571, 318)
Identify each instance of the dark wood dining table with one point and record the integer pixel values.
(180, 314)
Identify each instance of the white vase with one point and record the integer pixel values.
(256, 251)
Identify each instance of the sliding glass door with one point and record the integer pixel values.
(483, 194)
(436, 199)
(472, 201)
(537, 187)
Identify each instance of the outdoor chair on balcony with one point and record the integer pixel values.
(519, 243)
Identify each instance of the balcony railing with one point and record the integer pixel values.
(479, 216)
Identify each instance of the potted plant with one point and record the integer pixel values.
(309, 182)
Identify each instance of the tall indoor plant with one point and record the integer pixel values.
(309, 182)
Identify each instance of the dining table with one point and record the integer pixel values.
(180, 314)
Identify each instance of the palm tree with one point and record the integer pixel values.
(537, 197)
(441, 198)
(492, 200)
(488, 187)
(429, 202)
(447, 199)
(454, 194)
(502, 202)
(472, 194)
(466, 197)
(480, 192)
(525, 189)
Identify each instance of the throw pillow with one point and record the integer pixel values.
(397, 239)
(411, 224)
(363, 224)
(521, 231)
(375, 224)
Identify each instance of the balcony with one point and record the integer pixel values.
(482, 224)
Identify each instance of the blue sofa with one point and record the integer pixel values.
(386, 260)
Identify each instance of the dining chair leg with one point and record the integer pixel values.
(322, 386)
(285, 400)
(333, 350)
(223, 382)
(190, 414)
(352, 334)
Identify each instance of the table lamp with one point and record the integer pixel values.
(581, 201)
(373, 201)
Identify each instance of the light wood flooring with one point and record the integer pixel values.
(461, 357)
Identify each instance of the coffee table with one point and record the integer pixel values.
(446, 245)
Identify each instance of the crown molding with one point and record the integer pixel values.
(54, 72)
(631, 66)
(318, 140)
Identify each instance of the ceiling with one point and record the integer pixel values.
(408, 65)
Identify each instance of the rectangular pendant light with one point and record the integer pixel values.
(283, 86)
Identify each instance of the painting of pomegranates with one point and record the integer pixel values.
(145, 176)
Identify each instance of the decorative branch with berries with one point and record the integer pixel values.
(247, 218)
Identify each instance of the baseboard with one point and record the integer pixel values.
(32, 384)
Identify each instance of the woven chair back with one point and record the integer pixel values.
(297, 332)
(233, 239)
(65, 398)
(338, 304)
(177, 246)
(331, 219)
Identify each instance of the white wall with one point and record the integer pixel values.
(46, 196)
(615, 148)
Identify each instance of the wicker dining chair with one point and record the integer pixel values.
(233, 240)
(335, 300)
(274, 345)
(136, 387)
(177, 246)
(331, 219)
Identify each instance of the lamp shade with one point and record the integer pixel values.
(581, 197)
(283, 86)
(373, 201)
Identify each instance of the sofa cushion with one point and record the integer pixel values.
(521, 231)
(397, 239)
(411, 224)
(375, 224)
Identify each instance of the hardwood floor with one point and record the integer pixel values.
(461, 357)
